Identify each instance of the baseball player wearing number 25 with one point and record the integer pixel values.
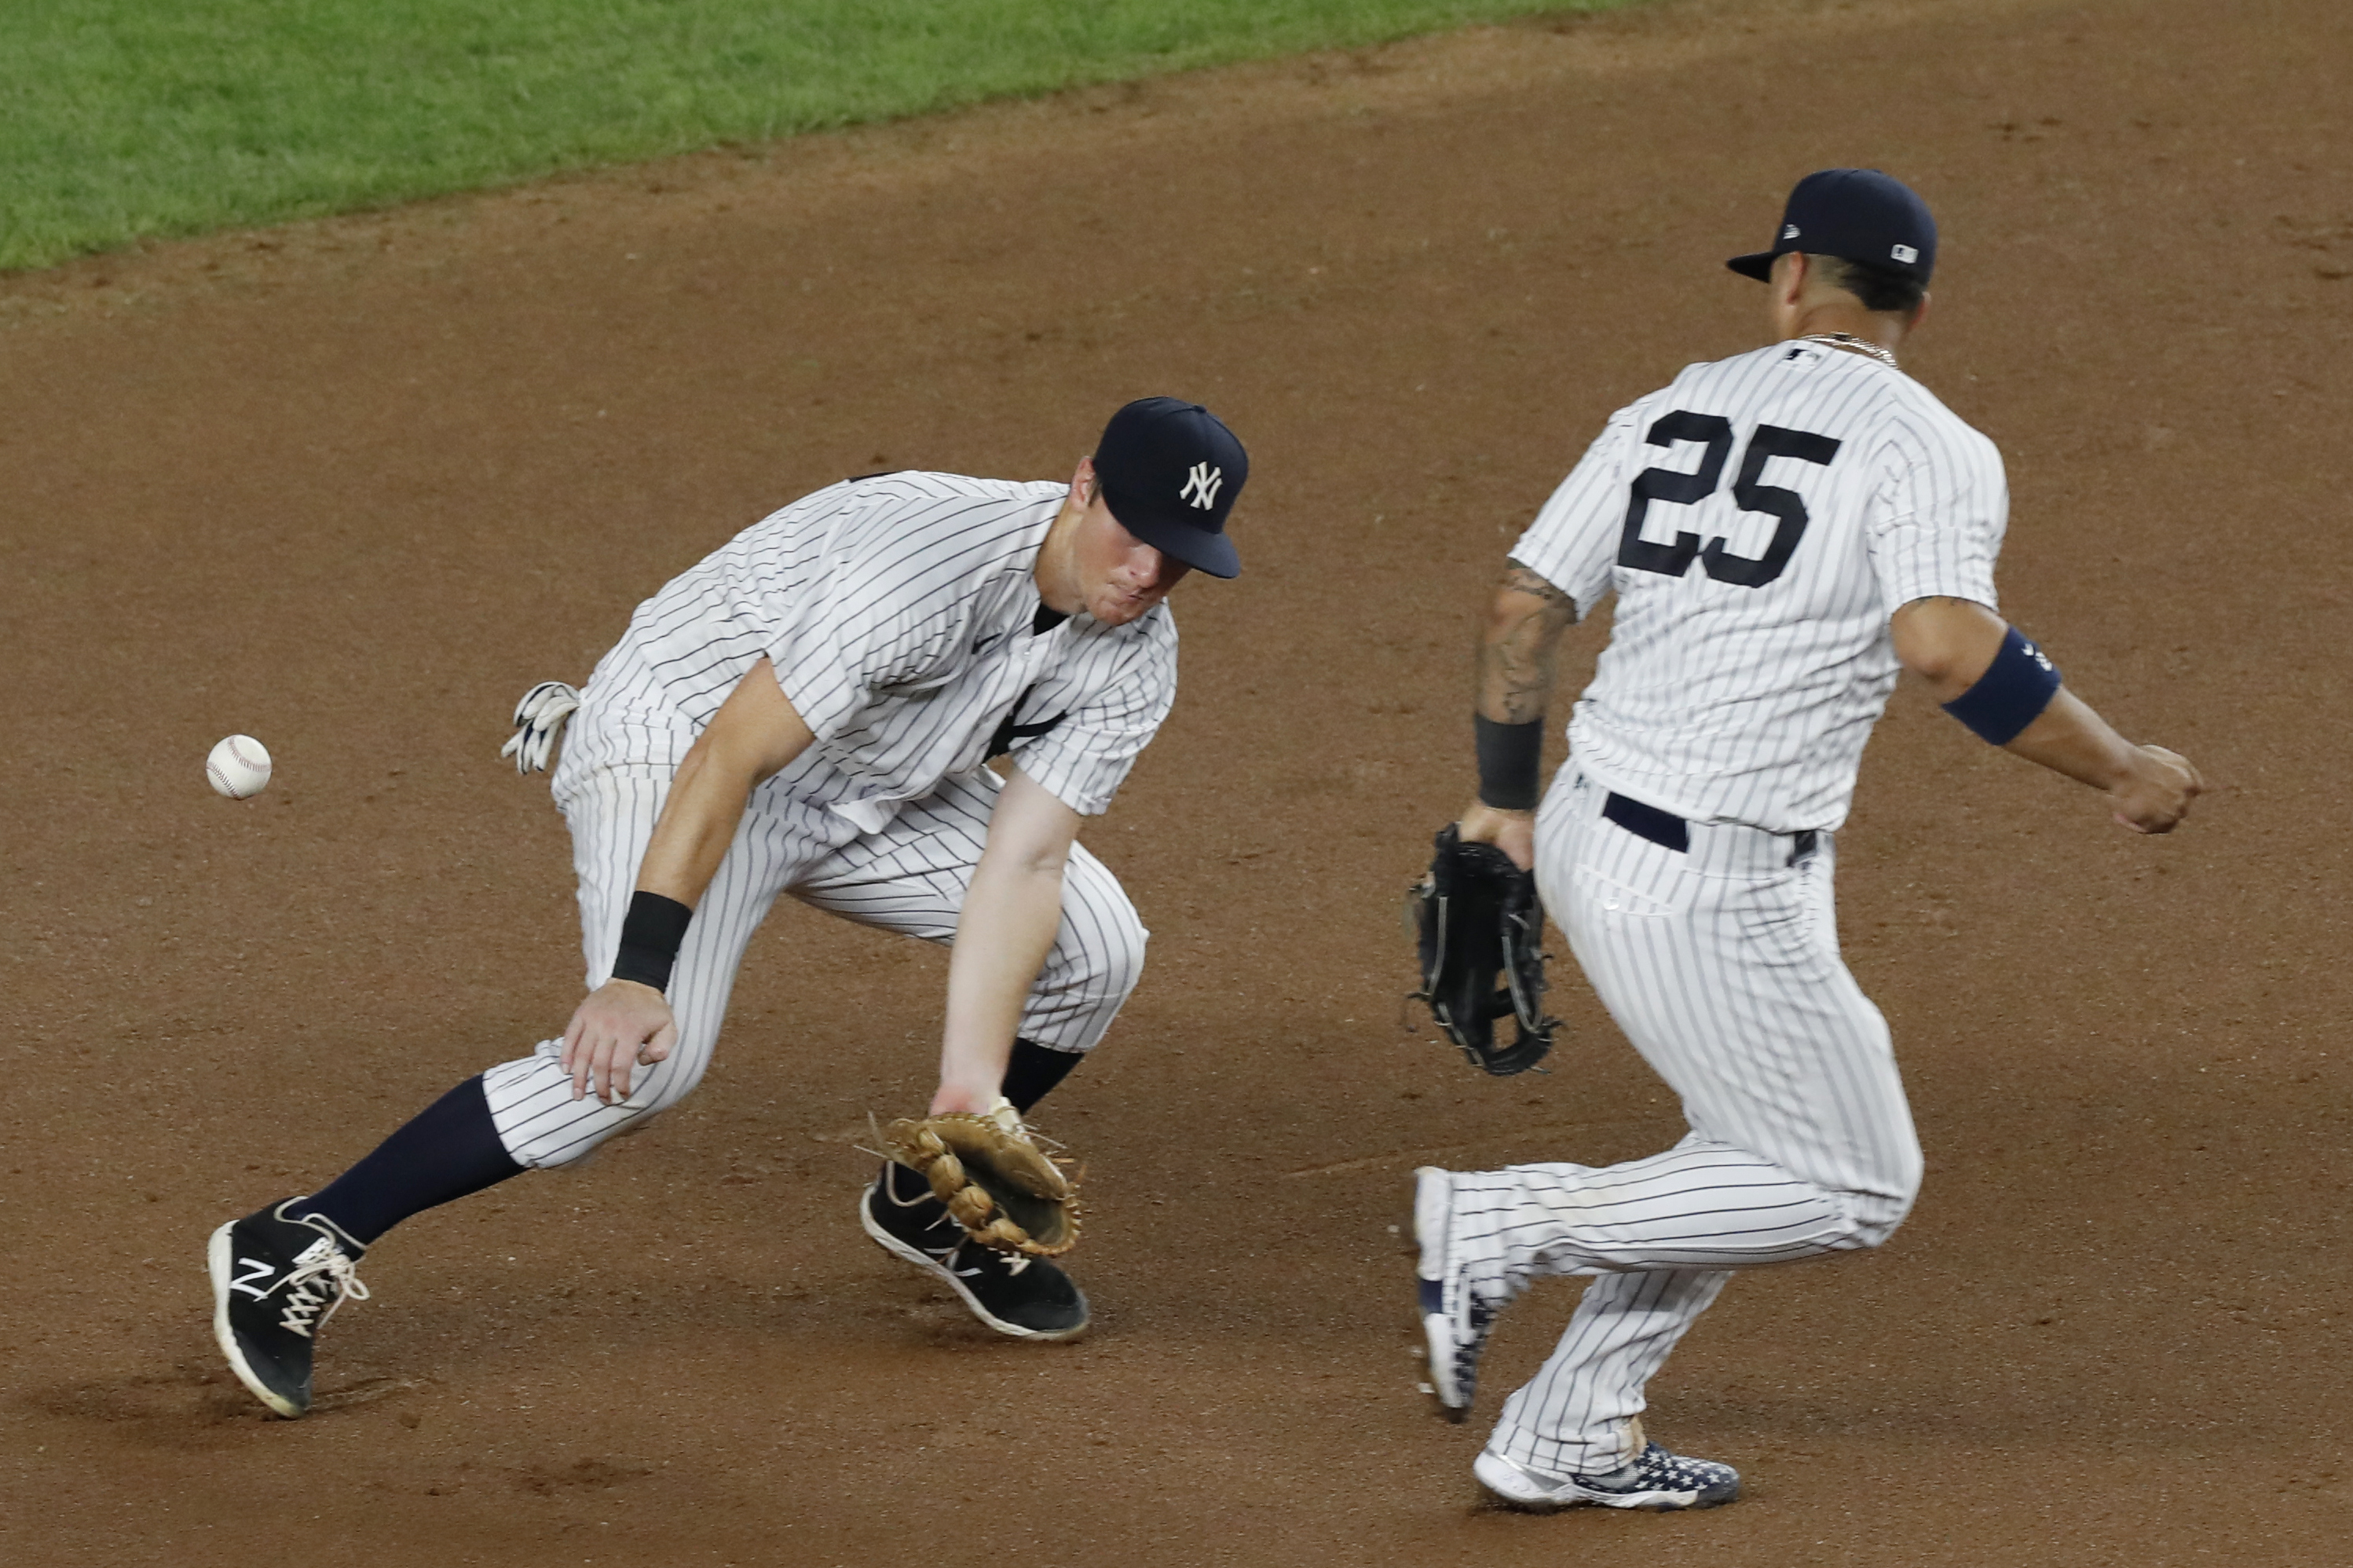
(1784, 529)
(810, 710)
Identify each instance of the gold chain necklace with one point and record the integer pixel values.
(1863, 346)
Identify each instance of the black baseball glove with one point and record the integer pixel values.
(1476, 916)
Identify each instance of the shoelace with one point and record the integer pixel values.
(304, 1298)
(1013, 1264)
(945, 1218)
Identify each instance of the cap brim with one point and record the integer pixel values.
(1210, 552)
(1758, 265)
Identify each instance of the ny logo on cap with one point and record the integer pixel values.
(1201, 489)
(1904, 254)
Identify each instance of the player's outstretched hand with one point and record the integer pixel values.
(621, 1025)
(2155, 795)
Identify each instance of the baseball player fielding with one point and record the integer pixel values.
(810, 710)
(1784, 531)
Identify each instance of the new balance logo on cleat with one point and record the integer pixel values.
(275, 1281)
(260, 1268)
(978, 1269)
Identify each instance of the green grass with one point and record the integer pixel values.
(124, 119)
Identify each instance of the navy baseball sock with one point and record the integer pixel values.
(450, 1148)
(1032, 1072)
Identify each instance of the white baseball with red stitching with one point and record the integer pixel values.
(239, 768)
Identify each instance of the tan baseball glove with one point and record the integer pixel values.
(1005, 1190)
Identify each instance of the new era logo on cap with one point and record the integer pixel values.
(1788, 231)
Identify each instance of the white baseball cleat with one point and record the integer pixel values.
(1454, 1317)
(1656, 1480)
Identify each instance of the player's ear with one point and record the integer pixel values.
(1919, 314)
(1082, 483)
(1788, 276)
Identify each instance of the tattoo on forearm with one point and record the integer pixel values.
(1515, 656)
(1521, 579)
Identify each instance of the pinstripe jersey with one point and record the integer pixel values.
(1760, 520)
(899, 612)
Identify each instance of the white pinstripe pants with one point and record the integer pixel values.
(910, 877)
(1721, 966)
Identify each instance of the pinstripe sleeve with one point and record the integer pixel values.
(1123, 682)
(1573, 542)
(1937, 517)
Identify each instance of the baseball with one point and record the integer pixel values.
(239, 768)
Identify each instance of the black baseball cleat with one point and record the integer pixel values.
(275, 1281)
(1026, 1297)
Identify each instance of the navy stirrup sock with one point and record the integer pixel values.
(450, 1149)
(1032, 1071)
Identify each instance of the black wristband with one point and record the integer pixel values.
(1510, 758)
(651, 937)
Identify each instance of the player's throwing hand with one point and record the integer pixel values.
(2155, 795)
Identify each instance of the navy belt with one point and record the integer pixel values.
(1668, 831)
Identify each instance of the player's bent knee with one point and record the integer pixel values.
(1874, 1217)
(1114, 968)
(1100, 948)
(1120, 967)
(545, 1129)
(1089, 978)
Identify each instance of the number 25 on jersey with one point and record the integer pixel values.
(1716, 557)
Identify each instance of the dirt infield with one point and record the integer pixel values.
(350, 487)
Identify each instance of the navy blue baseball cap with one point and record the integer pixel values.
(1169, 471)
(1859, 215)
